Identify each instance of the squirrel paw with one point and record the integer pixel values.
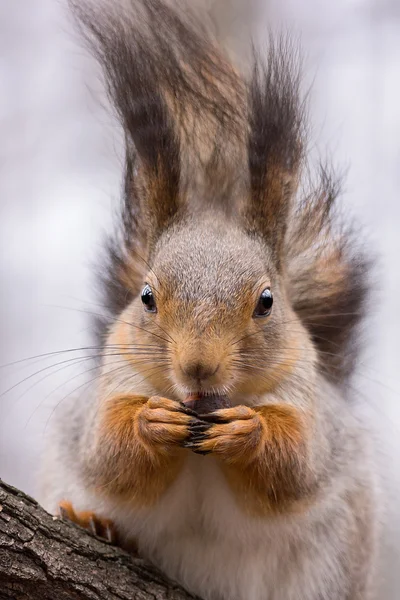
(164, 422)
(234, 433)
(99, 526)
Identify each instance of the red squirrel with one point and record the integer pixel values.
(219, 438)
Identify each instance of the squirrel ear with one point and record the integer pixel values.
(122, 38)
(180, 101)
(275, 144)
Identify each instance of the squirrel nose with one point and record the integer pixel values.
(199, 370)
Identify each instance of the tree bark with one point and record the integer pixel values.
(45, 558)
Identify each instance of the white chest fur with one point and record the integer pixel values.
(199, 536)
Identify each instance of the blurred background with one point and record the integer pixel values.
(60, 175)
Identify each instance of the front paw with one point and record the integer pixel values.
(234, 434)
(163, 423)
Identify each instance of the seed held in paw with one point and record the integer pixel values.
(204, 404)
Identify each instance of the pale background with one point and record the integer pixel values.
(59, 181)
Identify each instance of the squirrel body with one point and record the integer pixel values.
(200, 535)
(225, 279)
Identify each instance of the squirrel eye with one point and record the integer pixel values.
(148, 299)
(264, 304)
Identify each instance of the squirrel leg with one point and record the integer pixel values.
(262, 451)
(97, 525)
(138, 447)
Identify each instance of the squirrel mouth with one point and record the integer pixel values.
(206, 403)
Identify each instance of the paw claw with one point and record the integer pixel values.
(103, 528)
(92, 526)
(188, 411)
(188, 444)
(202, 452)
(63, 513)
(197, 438)
(197, 426)
(66, 511)
(193, 444)
(213, 418)
(110, 534)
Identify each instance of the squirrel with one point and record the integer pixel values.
(220, 438)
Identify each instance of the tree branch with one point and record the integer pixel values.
(44, 558)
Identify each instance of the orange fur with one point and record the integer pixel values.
(89, 520)
(263, 455)
(141, 362)
(142, 438)
(260, 384)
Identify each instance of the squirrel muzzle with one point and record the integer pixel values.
(201, 366)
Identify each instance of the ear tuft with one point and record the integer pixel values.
(276, 142)
(179, 99)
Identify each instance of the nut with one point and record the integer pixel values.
(204, 404)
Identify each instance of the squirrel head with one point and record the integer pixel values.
(214, 304)
(215, 225)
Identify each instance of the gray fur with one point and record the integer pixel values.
(212, 213)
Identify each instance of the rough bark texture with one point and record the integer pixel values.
(43, 558)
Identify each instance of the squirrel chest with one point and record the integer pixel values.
(199, 536)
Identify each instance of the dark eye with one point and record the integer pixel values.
(148, 299)
(264, 304)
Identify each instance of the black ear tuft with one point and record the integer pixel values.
(178, 98)
(120, 35)
(276, 140)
